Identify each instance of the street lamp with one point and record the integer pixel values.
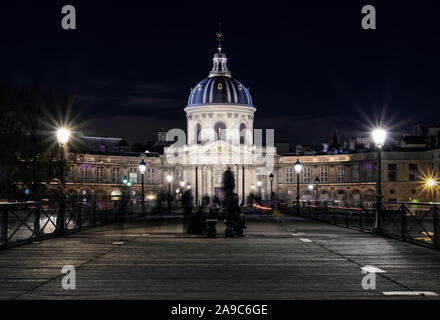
(317, 187)
(182, 184)
(298, 168)
(124, 182)
(169, 179)
(432, 185)
(63, 136)
(188, 187)
(379, 136)
(271, 184)
(142, 168)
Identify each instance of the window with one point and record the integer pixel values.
(99, 174)
(198, 131)
(339, 173)
(71, 173)
(133, 175)
(323, 174)
(220, 131)
(150, 175)
(413, 172)
(307, 174)
(84, 173)
(392, 172)
(290, 174)
(116, 174)
(355, 169)
(242, 133)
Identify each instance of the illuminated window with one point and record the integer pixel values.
(307, 174)
(99, 174)
(150, 175)
(290, 175)
(133, 175)
(323, 174)
(340, 173)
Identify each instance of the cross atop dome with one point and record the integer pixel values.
(219, 67)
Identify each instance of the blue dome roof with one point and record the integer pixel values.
(219, 89)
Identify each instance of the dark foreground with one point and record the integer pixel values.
(280, 258)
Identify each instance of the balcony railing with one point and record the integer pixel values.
(28, 222)
(408, 221)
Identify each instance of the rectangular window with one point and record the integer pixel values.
(116, 174)
(307, 174)
(99, 174)
(392, 172)
(150, 175)
(84, 174)
(71, 173)
(133, 175)
(413, 172)
(323, 174)
(339, 173)
(355, 169)
(290, 174)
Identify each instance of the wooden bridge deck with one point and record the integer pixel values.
(283, 258)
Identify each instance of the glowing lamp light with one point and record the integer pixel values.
(63, 135)
(298, 166)
(182, 184)
(431, 182)
(169, 178)
(142, 166)
(379, 136)
(252, 187)
(310, 186)
(125, 180)
(128, 184)
(259, 183)
(188, 187)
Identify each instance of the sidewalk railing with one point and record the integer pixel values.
(27, 222)
(408, 221)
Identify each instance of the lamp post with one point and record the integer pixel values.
(142, 168)
(271, 184)
(379, 136)
(124, 186)
(298, 168)
(317, 187)
(252, 190)
(169, 179)
(63, 136)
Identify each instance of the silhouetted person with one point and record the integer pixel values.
(187, 200)
(169, 201)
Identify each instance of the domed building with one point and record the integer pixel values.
(220, 125)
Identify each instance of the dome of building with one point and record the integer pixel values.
(219, 87)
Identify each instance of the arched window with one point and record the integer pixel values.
(197, 132)
(220, 131)
(242, 133)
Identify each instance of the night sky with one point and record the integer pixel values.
(310, 66)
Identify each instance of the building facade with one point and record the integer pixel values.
(220, 135)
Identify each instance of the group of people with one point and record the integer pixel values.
(229, 209)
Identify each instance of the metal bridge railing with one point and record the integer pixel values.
(408, 221)
(27, 222)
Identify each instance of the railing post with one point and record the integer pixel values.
(436, 226)
(360, 220)
(404, 230)
(346, 218)
(4, 228)
(37, 224)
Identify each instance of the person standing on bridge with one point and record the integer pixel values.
(187, 202)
